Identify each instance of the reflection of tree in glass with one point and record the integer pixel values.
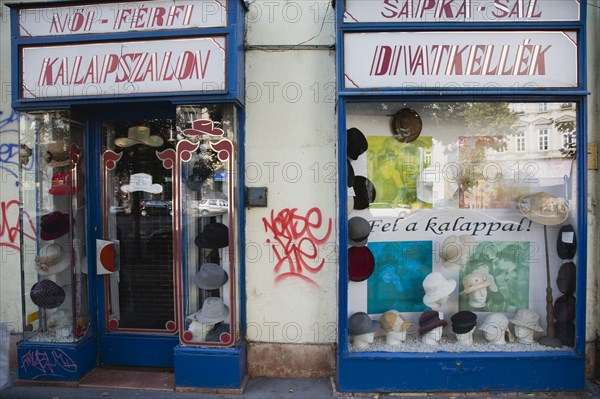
(567, 130)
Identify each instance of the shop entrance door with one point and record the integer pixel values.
(137, 300)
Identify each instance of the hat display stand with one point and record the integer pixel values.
(549, 339)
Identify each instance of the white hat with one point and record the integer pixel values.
(436, 287)
(527, 318)
(213, 311)
(544, 208)
(51, 260)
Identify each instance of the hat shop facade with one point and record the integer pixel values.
(129, 121)
(393, 193)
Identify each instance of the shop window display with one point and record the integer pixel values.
(469, 227)
(54, 262)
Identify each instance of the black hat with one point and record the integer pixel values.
(564, 308)
(214, 235)
(463, 322)
(47, 294)
(566, 244)
(406, 125)
(349, 174)
(357, 143)
(565, 331)
(566, 280)
(364, 192)
(200, 172)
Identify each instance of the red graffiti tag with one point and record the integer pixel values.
(295, 242)
(10, 231)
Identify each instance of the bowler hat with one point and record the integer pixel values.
(566, 279)
(210, 277)
(566, 243)
(564, 308)
(364, 192)
(47, 294)
(429, 320)
(361, 263)
(357, 143)
(358, 231)
(360, 323)
(54, 225)
(463, 322)
(214, 235)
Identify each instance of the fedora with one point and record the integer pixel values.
(61, 184)
(139, 135)
(361, 263)
(51, 260)
(566, 279)
(210, 277)
(527, 318)
(436, 287)
(364, 192)
(544, 208)
(213, 311)
(455, 251)
(473, 282)
(357, 143)
(54, 225)
(360, 323)
(214, 235)
(406, 125)
(429, 320)
(566, 243)
(58, 154)
(463, 322)
(392, 320)
(47, 294)
(358, 231)
(564, 308)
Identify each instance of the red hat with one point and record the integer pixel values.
(361, 263)
(61, 184)
(54, 225)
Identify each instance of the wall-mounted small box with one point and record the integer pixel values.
(256, 196)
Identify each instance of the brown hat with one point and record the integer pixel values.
(429, 320)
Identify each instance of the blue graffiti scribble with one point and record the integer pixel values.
(7, 152)
(6, 122)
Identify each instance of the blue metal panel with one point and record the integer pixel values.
(55, 362)
(137, 350)
(210, 368)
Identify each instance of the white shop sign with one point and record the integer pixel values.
(124, 68)
(461, 10)
(122, 17)
(460, 59)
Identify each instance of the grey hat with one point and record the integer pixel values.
(360, 323)
(213, 311)
(358, 231)
(210, 277)
(566, 279)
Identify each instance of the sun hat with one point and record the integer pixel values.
(47, 294)
(349, 174)
(364, 192)
(566, 243)
(473, 282)
(210, 277)
(527, 318)
(61, 184)
(564, 308)
(392, 320)
(358, 231)
(544, 208)
(436, 287)
(496, 321)
(213, 311)
(54, 225)
(406, 125)
(361, 263)
(213, 236)
(429, 320)
(139, 135)
(357, 143)
(565, 331)
(51, 260)
(58, 154)
(455, 251)
(566, 279)
(463, 322)
(360, 323)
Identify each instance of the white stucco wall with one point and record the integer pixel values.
(291, 150)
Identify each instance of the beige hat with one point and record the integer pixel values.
(544, 208)
(473, 282)
(455, 251)
(392, 320)
(139, 135)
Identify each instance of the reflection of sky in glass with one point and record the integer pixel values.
(397, 281)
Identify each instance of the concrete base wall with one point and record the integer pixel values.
(291, 360)
(591, 364)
